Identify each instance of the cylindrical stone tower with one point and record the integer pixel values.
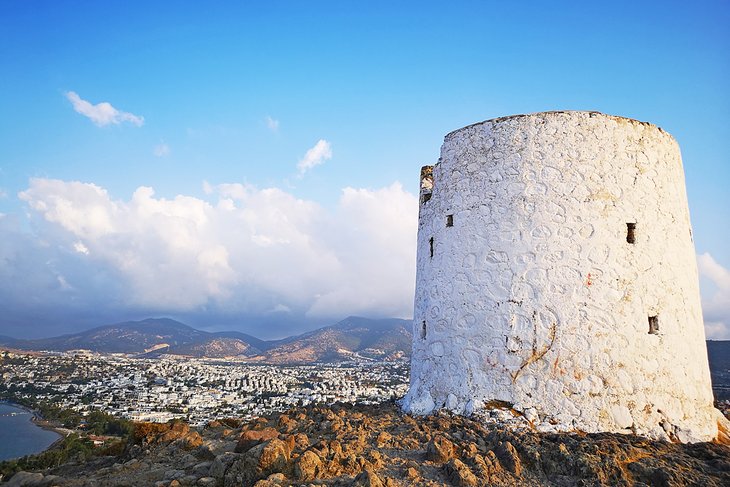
(556, 272)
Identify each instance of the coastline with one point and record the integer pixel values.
(39, 421)
(49, 426)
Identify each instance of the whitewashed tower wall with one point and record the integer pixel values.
(556, 272)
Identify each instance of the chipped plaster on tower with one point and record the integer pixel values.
(556, 271)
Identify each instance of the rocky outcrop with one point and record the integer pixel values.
(380, 446)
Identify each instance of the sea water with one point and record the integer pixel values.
(18, 435)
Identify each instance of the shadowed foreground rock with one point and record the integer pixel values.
(380, 446)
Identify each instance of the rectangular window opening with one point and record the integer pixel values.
(631, 233)
(653, 325)
(423, 330)
(449, 220)
(430, 246)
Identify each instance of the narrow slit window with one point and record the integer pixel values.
(423, 330)
(631, 233)
(449, 220)
(653, 325)
(430, 246)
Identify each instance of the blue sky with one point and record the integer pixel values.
(225, 101)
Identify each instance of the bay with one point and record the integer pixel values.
(18, 435)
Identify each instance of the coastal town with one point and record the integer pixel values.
(197, 390)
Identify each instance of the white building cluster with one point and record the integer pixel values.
(198, 390)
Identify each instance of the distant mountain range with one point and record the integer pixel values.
(718, 353)
(350, 338)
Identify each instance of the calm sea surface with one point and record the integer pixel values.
(18, 435)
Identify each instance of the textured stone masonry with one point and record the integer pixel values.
(556, 272)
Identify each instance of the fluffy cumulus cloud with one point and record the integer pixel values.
(715, 280)
(241, 250)
(103, 113)
(315, 156)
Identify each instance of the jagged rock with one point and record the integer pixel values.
(190, 441)
(189, 480)
(202, 468)
(383, 439)
(367, 478)
(459, 474)
(26, 479)
(222, 462)
(439, 450)
(174, 474)
(508, 457)
(51, 480)
(251, 438)
(494, 454)
(486, 466)
(176, 430)
(273, 480)
(203, 452)
(301, 441)
(258, 462)
(307, 466)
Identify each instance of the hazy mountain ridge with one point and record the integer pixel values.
(351, 337)
(384, 338)
(718, 354)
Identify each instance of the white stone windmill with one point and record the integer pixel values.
(556, 272)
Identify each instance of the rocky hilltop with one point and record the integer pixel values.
(381, 446)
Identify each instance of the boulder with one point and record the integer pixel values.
(508, 457)
(367, 478)
(439, 450)
(251, 438)
(220, 465)
(259, 462)
(307, 466)
(26, 479)
(459, 474)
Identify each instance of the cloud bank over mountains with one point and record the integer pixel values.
(241, 250)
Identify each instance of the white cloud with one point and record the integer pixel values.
(103, 113)
(81, 248)
(247, 250)
(315, 156)
(272, 123)
(715, 280)
(161, 150)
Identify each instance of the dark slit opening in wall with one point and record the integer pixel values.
(430, 246)
(449, 220)
(653, 325)
(423, 330)
(631, 233)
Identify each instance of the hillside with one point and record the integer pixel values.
(385, 338)
(378, 446)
